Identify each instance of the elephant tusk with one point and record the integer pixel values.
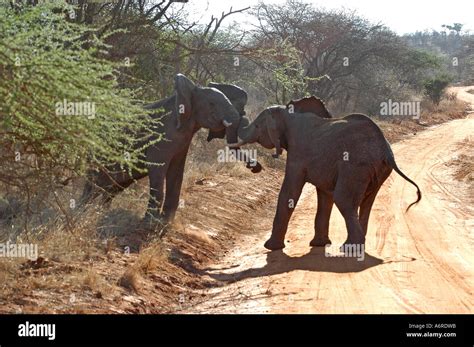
(226, 123)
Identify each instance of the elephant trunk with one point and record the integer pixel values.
(231, 121)
(243, 128)
(231, 133)
(246, 134)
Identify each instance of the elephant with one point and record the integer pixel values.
(347, 159)
(189, 109)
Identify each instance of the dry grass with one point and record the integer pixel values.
(100, 255)
(463, 166)
(448, 109)
(150, 258)
(130, 279)
(202, 160)
(97, 283)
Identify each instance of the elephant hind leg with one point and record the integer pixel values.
(369, 198)
(348, 196)
(321, 223)
(365, 208)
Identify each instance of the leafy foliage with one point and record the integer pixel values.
(346, 59)
(434, 87)
(45, 62)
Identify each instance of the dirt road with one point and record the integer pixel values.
(415, 262)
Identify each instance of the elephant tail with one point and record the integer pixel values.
(389, 154)
(393, 164)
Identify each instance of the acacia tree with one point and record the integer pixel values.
(61, 109)
(354, 56)
(435, 87)
(455, 49)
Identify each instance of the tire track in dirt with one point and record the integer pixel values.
(415, 262)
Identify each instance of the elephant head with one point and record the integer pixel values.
(267, 129)
(208, 107)
(310, 104)
(211, 108)
(238, 98)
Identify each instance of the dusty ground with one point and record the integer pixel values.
(129, 270)
(213, 259)
(416, 262)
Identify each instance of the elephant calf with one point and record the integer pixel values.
(347, 159)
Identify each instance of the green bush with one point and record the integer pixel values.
(434, 87)
(47, 62)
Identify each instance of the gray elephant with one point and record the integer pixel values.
(188, 110)
(347, 159)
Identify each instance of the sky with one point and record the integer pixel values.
(402, 16)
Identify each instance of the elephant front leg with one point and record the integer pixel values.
(321, 223)
(174, 180)
(157, 179)
(288, 198)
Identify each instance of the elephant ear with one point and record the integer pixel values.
(238, 98)
(310, 104)
(184, 90)
(273, 133)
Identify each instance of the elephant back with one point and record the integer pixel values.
(310, 104)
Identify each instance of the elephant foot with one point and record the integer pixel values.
(320, 242)
(274, 245)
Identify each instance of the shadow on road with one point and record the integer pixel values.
(278, 262)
